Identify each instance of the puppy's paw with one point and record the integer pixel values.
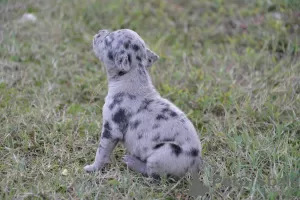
(127, 159)
(90, 168)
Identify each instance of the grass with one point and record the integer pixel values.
(232, 66)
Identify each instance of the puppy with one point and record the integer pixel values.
(159, 138)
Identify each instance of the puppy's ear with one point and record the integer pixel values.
(151, 58)
(123, 62)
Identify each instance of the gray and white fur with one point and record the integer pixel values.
(159, 138)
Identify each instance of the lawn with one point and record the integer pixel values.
(233, 66)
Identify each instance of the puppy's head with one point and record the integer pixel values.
(122, 50)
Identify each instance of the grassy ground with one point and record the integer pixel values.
(233, 66)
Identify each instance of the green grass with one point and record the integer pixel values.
(230, 65)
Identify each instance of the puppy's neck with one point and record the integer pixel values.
(136, 82)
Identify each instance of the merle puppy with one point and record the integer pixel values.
(159, 138)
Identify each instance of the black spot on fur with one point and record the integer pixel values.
(122, 51)
(121, 118)
(173, 114)
(162, 103)
(194, 152)
(117, 100)
(107, 126)
(140, 135)
(131, 96)
(110, 55)
(158, 145)
(129, 58)
(135, 47)
(155, 126)
(193, 162)
(176, 149)
(107, 42)
(141, 71)
(168, 140)
(120, 61)
(145, 104)
(138, 58)
(106, 132)
(126, 44)
(149, 60)
(169, 111)
(164, 110)
(161, 117)
(135, 124)
(121, 73)
(156, 137)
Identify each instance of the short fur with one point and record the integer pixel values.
(159, 138)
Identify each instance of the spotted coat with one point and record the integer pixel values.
(157, 135)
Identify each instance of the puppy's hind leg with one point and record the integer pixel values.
(135, 164)
(169, 159)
